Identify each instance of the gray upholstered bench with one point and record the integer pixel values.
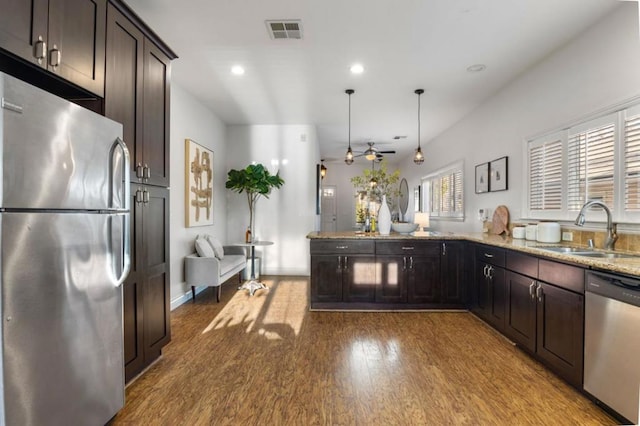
(211, 271)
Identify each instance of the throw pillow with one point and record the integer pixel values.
(216, 245)
(203, 248)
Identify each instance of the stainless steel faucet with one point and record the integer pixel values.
(612, 236)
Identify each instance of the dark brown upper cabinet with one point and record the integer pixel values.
(64, 37)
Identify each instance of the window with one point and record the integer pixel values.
(597, 159)
(444, 194)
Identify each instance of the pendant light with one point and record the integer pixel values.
(349, 156)
(418, 158)
(373, 182)
(323, 169)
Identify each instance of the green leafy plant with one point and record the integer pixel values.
(386, 183)
(255, 181)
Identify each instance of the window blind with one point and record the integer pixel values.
(447, 193)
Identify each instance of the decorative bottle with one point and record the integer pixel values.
(247, 235)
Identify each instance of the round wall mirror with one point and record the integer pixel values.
(403, 198)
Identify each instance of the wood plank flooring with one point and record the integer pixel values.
(267, 360)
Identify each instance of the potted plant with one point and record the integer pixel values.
(255, 181)
(385, 183)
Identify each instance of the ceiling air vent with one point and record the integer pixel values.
(283, 29)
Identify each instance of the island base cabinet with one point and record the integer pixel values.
(391, 279)
(560, 331)
(424, 279)
(326, 279)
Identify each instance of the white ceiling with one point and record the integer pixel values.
(404, 45)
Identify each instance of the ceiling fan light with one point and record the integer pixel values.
(373, 182)
(370, 155)
(349, 157)
(418, 158)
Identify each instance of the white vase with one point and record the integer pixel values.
(384, 217)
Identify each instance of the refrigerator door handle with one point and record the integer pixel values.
(126, 189)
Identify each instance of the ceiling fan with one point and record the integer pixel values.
(372, 153)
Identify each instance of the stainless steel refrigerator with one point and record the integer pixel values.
(64, 254)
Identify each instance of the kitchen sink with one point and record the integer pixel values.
(586, 252)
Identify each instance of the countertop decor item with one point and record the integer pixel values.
(404, 227)
(403, 198)
(519, 232)
(531, 231)
(384, 217)
(548, 232)
(255, 181)
(500, 220)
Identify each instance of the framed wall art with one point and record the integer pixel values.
(198, 180)
(498, 175)
(482, 178)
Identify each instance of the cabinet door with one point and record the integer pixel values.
(482, 293)
(560, 331)
(77, 32)
(156, 296)
(21, 23)
(452, 273)
(423, 278)
(155, 133)
(497, 297)
(358, 278)
(123, 81)
(132, 293)
(391, 278)
(326, 278)
(520, 321)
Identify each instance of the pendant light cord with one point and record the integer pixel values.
(349, 120)
(419, 119)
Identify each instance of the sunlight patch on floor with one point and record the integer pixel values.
(241, 309)
(285, 309)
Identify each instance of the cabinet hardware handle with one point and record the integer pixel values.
(339, 260)
(407, 248)
(532, 291)
(40, 50)
(486, 274)
(138, 196)
(345, 265)
(490, 272)
(404, 263)
(411, 262)
(145, 196)
(55, 57)
(539, 293)
(342, 247)
(488, 255)
(139, 170)
(146, 172)
(444, 249)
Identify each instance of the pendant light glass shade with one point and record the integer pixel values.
(418, 158)
(323, 169)
(348, 158)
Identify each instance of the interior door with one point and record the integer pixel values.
(329, 215)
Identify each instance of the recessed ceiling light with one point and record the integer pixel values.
(357, 69)
(476, 68)
(237, 70)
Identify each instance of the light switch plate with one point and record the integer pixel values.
(567, 236)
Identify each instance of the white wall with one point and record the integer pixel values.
(191, 119)
(567, 85)
(288, 215)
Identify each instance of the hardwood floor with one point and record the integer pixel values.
(267, 360)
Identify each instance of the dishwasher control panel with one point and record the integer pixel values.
(618, 287)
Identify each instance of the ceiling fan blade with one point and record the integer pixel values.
(387, 152)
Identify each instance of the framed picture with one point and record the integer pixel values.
(198, 190)
(498, 175)
(482, 178)
(417, 201)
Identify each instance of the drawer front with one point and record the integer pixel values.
(522, 263)
(418, 248)
(342, 247)
(561, 275)
(493, 255)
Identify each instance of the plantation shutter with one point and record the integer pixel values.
(591, 166)
(545, 175)
(632, 164)
(446, 192)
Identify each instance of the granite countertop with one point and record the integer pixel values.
(629, 265)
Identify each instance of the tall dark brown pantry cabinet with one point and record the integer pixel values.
(137, 95)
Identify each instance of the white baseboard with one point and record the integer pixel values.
(185, 297)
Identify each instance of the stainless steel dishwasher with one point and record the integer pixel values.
(612, 342)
